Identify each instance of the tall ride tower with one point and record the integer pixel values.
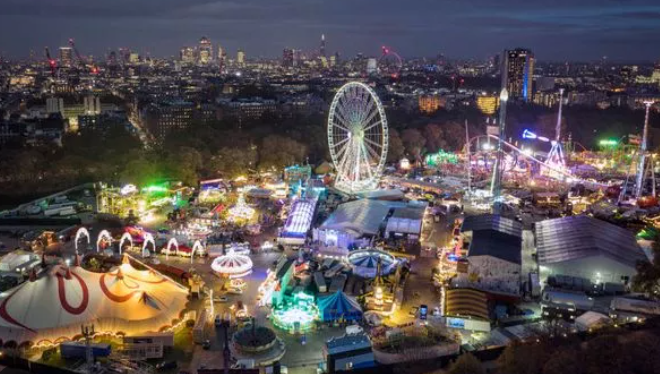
(556, 156)
(496, 183)
(641, 165)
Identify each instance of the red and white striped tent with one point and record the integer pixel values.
(52, 307)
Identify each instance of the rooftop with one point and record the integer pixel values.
(492, 222)
(576, 237)
(347, 343)
(363, 217)
(496, 244)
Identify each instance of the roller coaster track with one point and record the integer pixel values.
(569, 176)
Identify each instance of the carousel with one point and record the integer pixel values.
(232, 265)
(241, 212)
(366, 262)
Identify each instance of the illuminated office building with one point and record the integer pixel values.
(205, 51)
(287, 58)
(187, 55)
(517, 72)
(240, 58)
(431, 103)
(66, 57)
(487, 104)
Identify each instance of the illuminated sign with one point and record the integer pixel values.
(528, 135)
(457, 323)
(608, 143)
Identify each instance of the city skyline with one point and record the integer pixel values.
(474, 29)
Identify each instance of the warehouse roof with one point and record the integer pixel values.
(492, 222)
(361, 216)
(576, 237)
(496, 244)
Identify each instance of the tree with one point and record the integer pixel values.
(647, 279)
(523, 358)
(414, 142)
(95, 265)
(185, 165)
(466, 364)
(435, 139)
(279, 151)
(642, 352)
(396, 150)
(454, 135)
(139, 170)
(603, 355)
(232, 162)
(547, 126)
(565, 361)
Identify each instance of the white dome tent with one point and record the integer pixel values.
(232, 265)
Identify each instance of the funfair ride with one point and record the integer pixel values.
(556, 158)
(390, 63)
(357, 138)
(644, 169)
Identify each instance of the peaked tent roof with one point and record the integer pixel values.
(339, 305)
(53, 306)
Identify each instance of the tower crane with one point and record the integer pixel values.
(51, 62)
(83, 63)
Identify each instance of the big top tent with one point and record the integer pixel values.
(52, 307)
(339, 306)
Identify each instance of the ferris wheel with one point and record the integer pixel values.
(357, 137)
(390, 63)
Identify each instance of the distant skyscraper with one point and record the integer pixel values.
(205, 50)
(517, 73)
(187, 55)
(112, 58)
(372, 66)
(221, 52)
(66, 57)
(221, 58)
(134, 58)
(322, 49)
(496, 63)
(124, 55)
(287, 58)
(240, 58)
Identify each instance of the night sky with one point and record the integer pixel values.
(554, 29)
